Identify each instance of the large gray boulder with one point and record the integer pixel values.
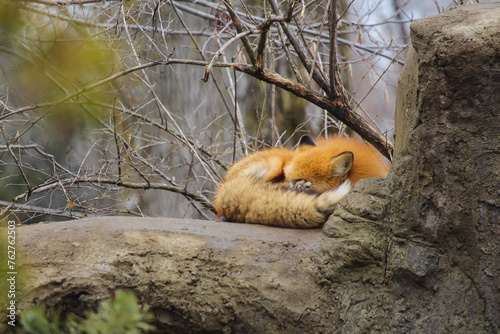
(196, 276)
(429, 243)
(444, 217)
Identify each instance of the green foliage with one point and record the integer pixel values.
(121, 314)
(40, 320)
(3, 266)
(10, 20)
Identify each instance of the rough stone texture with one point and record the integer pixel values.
(355, 240)
(197, 276)
(416, 253)
(434, 243)
(444, 214)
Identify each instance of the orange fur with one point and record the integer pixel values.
(311, 163)
(267, 164)
(262, 187)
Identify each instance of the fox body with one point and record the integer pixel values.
(296, 188)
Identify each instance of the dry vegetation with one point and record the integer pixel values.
(103, 110)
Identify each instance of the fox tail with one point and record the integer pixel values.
(249, 200)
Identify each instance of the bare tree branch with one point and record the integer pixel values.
(300, 52)
(265, 27)
(67, 2)
(87, 132)
(333, 48)
(221, 50)
(239, 29)
(335, 107)
(84, 89)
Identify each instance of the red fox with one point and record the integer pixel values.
(296, 188)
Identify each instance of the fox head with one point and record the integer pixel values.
(324, 169)
(331, 161)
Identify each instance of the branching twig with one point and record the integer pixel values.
(104, 81)
(335, 107)
(142, 138)
(239, 29)
(265, 26)
(300, 52)
(333, 48)
(18, 164)
(42, 210)
(221, 50)
(241, 132)
(380, 77)
(66, 2)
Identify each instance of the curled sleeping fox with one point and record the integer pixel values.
(296, 188)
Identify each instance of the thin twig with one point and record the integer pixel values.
(265, 27)
(239, 29)
(18, 164)
(103, 82)
(378, 79)
(241, 133)
(333, 48)
(221, 51)
(336, 107)
(67, 2)
(299, 49)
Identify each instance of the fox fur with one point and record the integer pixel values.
(296, 188)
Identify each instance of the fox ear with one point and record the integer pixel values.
(341, 164)
(306, 141)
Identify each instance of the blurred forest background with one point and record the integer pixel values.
(102, 110)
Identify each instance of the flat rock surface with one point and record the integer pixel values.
(193, 274)
(219, 234)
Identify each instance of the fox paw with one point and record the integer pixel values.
(301, 185)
